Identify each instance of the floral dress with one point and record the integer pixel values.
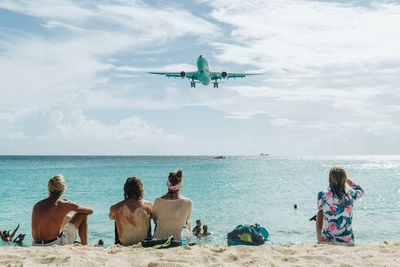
(338, 218)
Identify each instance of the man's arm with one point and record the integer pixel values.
(319, 224)
(13, 233)
(72, 206)
(83, 209)
(1, 235)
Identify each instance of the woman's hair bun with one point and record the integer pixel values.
(176, 176)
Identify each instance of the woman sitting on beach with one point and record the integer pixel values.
(172, 211)
(336, 208)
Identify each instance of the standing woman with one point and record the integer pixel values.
(335, 214)
(172, 211)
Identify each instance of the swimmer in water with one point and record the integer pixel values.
(19, 239)
(205, 231)
(5, 235)
(197, 229)
(197, 232)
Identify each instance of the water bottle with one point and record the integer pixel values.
(185, 236)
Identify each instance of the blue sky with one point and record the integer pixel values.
(73, 77)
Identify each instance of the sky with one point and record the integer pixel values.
(74, 81)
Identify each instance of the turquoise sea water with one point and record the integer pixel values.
(225, 192)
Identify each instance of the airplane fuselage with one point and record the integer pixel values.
(203, 70)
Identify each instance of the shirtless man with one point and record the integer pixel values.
(132, 215)
(51, 224)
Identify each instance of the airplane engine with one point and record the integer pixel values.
(224, 74)
(183, 74)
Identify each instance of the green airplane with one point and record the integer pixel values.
(203, 74)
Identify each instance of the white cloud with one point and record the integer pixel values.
(129, 129)
(166, 68)
(329, 66)
(49, 80)
(164, 22)
(61, 9)
(69, 128)
(332, 72)
(283, 122)
(54, 24)
(144, 21)
(42, 71)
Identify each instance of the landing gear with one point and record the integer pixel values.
(215, 84)
(192, 84)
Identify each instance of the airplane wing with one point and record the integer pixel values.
(226, 75)
(190, 75)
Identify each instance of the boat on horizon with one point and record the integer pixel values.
(219, 157)
(264, 154)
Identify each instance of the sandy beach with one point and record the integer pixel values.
(371, 254)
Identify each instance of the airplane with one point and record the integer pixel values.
(203, 74)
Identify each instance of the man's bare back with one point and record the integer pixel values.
(132, 218)
(50, 215)
(132, 215)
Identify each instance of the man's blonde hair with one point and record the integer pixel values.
(56, 185)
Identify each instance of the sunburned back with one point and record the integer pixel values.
(47, 218)
(133, 220)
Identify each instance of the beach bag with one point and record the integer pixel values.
(160, 243)
(249, 235)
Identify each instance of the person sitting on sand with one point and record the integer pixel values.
(5, 235)
(51, 224)
(197, 229)
(205, 231)
(132, 215)
(334, 217)
(172, 210)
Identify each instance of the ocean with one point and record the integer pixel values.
(225, 192)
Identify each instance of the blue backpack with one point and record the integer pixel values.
(249, 235)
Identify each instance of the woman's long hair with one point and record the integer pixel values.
(337, 182)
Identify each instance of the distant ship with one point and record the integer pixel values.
(219, 157)
(263, 154)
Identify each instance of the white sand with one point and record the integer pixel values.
(371, 254)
